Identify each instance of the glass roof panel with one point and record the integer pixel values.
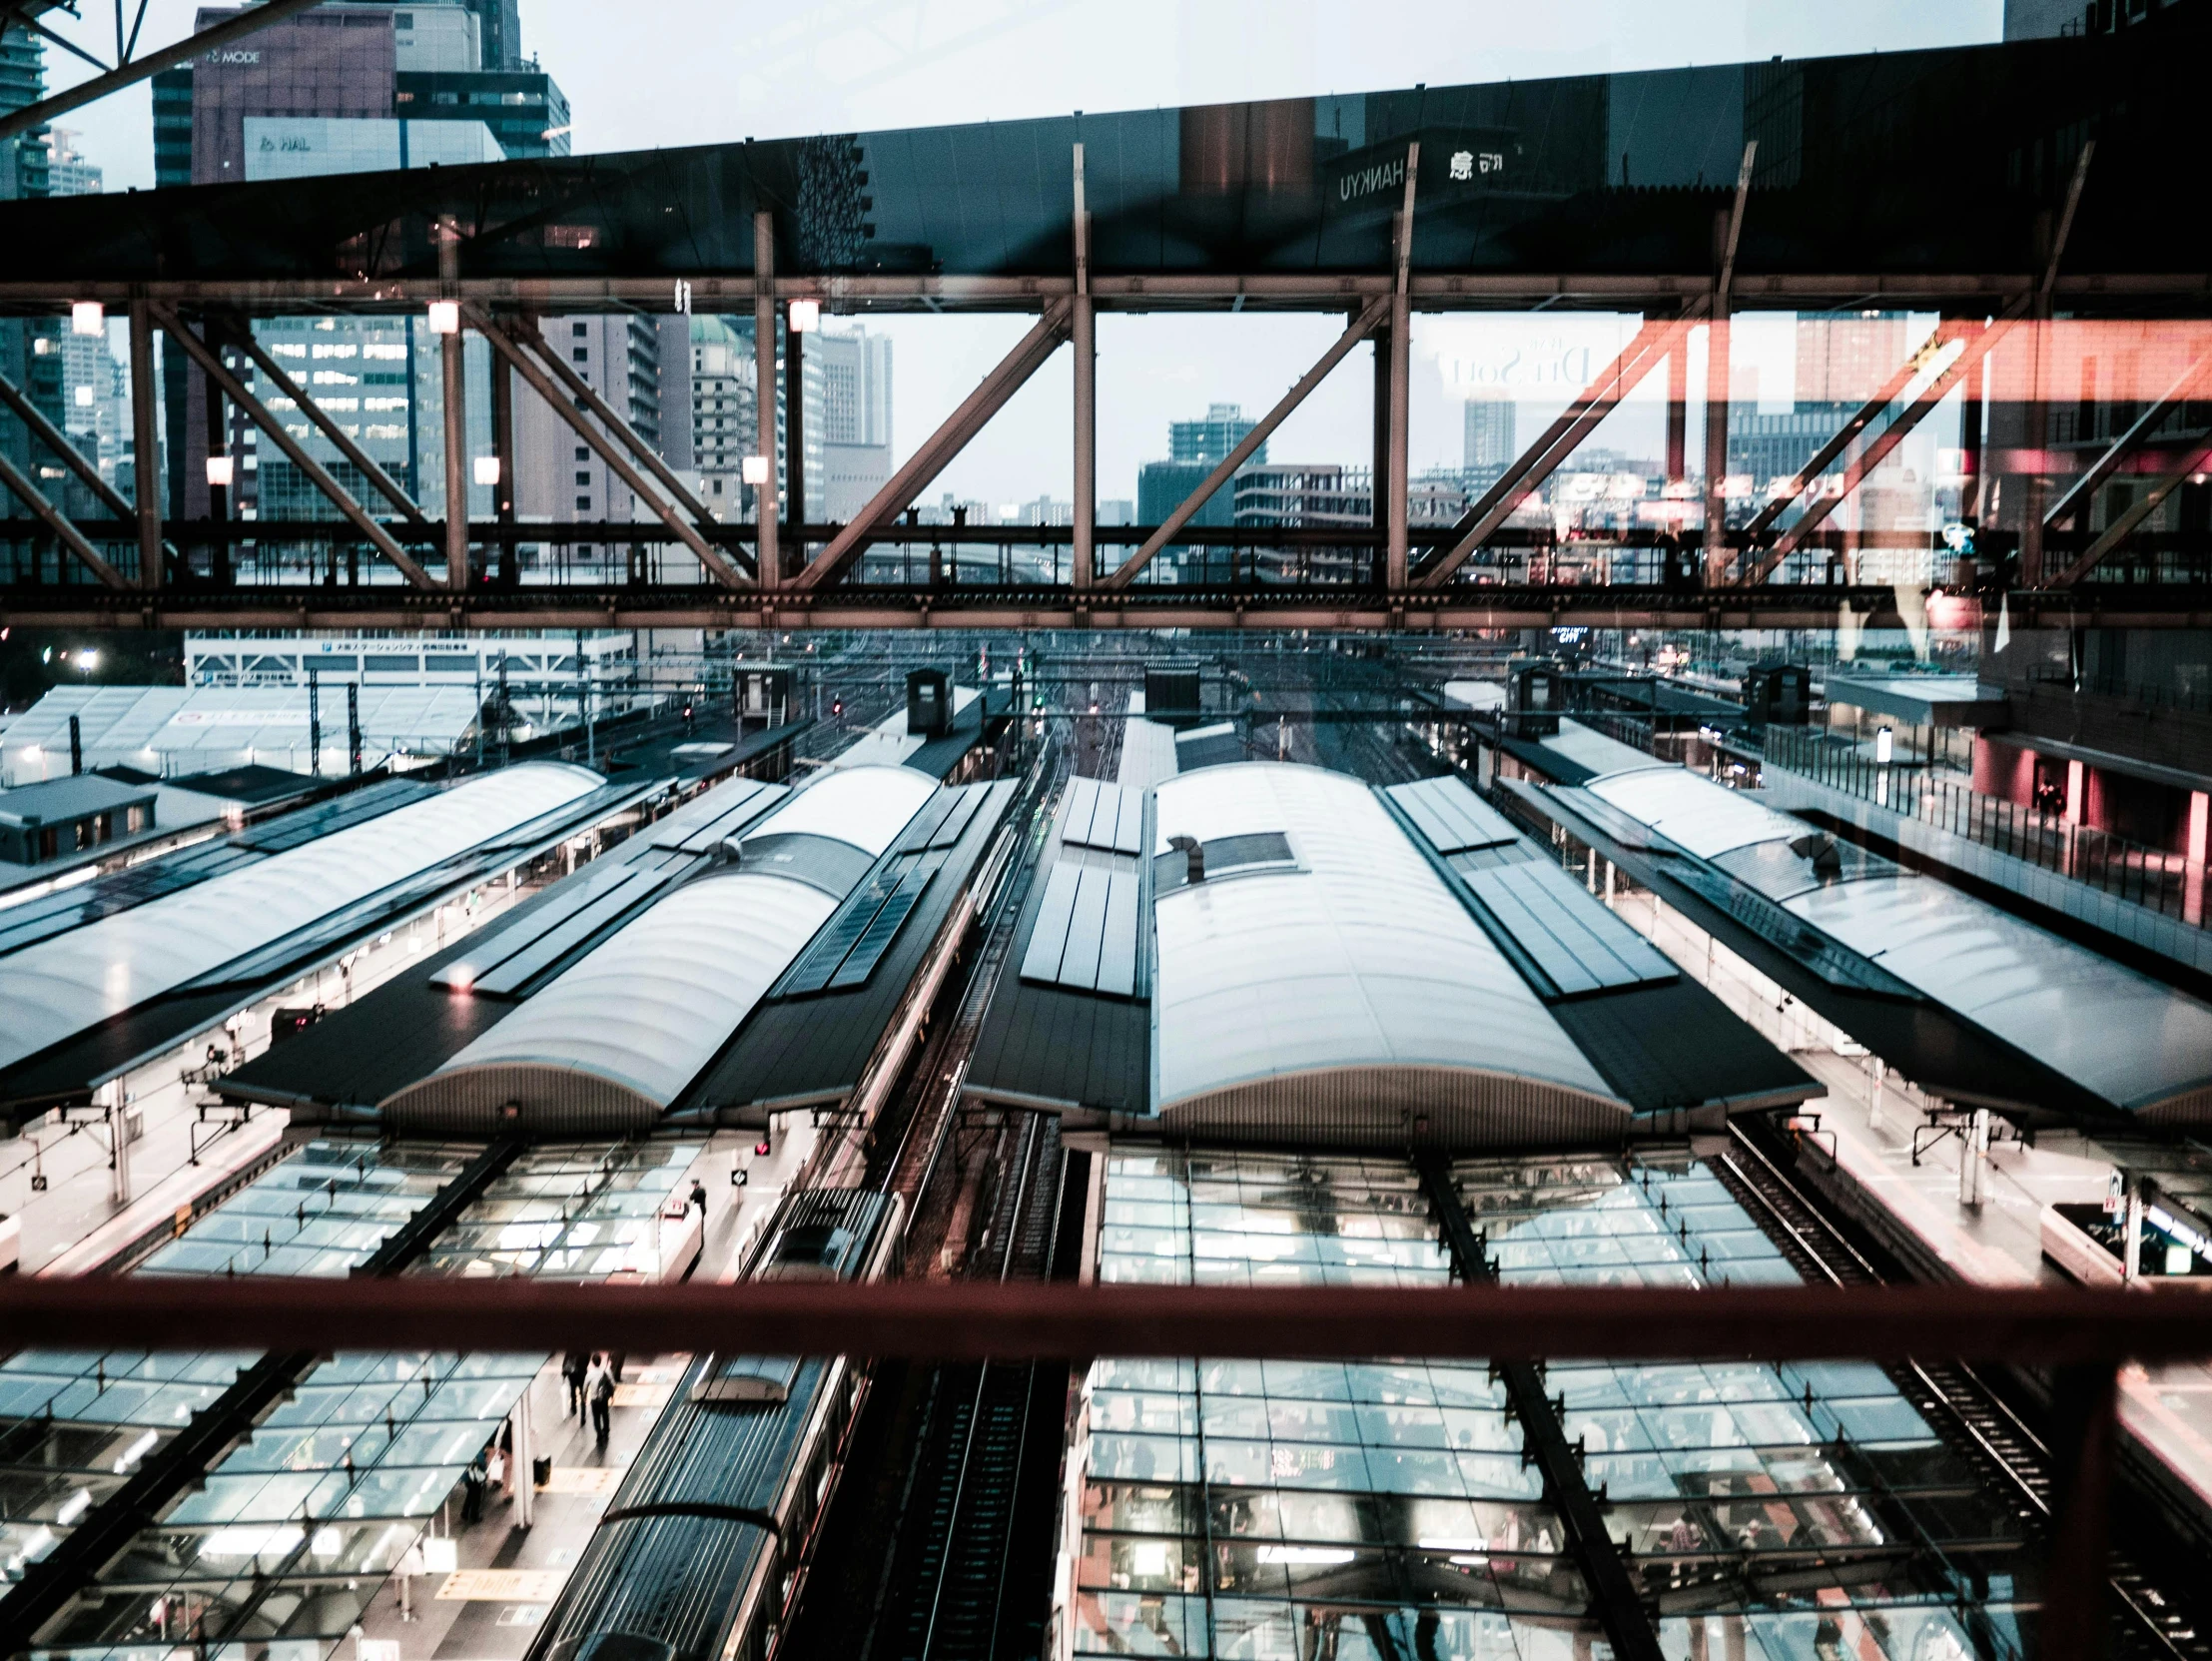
(73, 1423)
(343, 1476)
(1255, 1509)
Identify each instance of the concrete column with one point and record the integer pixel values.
(764, 394)
(1973, 1161)
(2131, 1248)
(145, 447)
(525, 1458)
(119, 1137)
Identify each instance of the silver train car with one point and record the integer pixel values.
(703, 1550)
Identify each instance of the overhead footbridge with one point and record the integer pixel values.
(2014, 195)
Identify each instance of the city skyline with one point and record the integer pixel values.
(1155, 369)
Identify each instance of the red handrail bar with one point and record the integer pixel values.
(938, 1320)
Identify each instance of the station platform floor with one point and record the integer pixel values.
(2167, 1409)
(508, 1574)
(1866, 1126)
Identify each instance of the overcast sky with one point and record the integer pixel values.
(677, 72)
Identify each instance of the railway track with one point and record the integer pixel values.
(973, 1593)
(927, 1559)
(2011, 1457)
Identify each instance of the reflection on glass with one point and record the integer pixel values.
(1289, 1509)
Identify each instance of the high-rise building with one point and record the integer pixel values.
(1845, 358)
(68, 173)
(848, 416)
(1194, 449)
(30, 353)
(1293, 494)
(724, 410)
(95, 404)
(346, 88)
(1210, 440)
(639, 365)
(1487, 440)
(24, 158)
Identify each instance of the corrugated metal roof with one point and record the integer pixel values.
(1693, 812)
(64, 985)
(1147, 750)
(189, 728)
(816, 1047)
(646, 1010)
(867, 806)
(2124, 1037)
(1594, 752)
(626, 1029)
(2132, 1041)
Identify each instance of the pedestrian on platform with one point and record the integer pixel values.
(602, 1409)
(474, 1481)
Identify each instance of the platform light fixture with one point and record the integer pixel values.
(756, 470)
(445, 316)
(88, 316)
(805, 316)
(487, 469)
(219, 471)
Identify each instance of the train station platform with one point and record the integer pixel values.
(1857, 1148)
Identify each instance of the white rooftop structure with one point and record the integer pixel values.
(865, 806)
(1348, 993)
(2136, 1043)
(169, 731)
(1147, 750)
(887, 744)
(1475, 695)
(1593, 751)
(61, 985)
(622, 1031)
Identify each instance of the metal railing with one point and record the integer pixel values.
(2155, 878)
(2087, 1335)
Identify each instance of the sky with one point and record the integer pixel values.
(678, 71)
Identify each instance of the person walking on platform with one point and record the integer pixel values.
(473, 1482)
(573, 1368)
(603, 1406)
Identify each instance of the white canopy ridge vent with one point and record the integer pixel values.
(1344, 996)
